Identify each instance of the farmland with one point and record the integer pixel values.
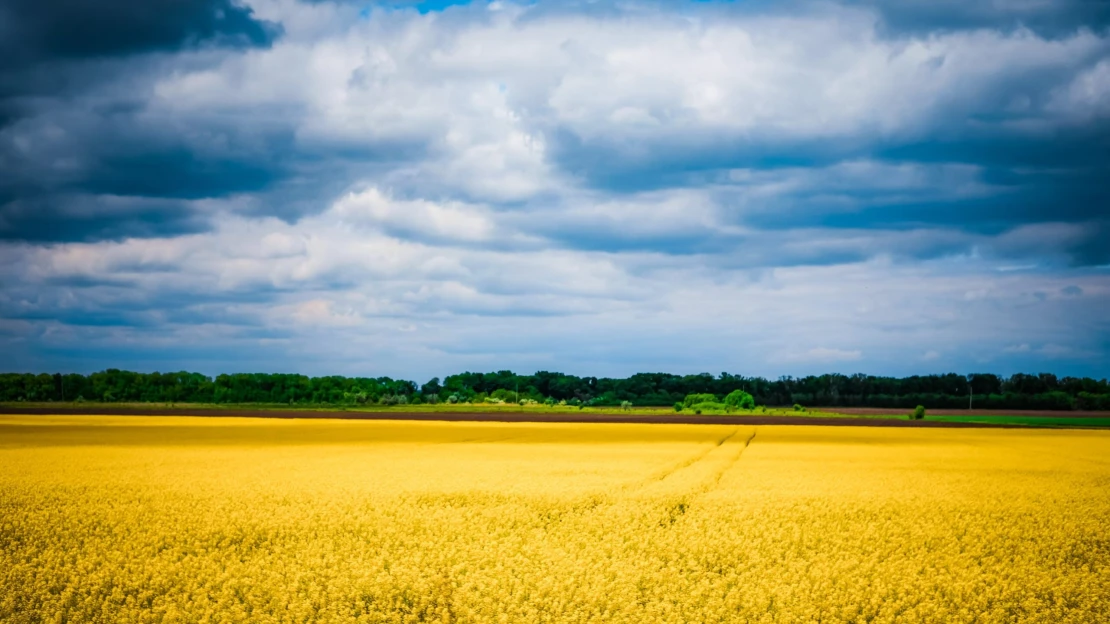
(178, 519)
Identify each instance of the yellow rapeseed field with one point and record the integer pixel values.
(136, 519)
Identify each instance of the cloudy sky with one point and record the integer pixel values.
(414, 189)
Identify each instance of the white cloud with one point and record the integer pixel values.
(463, 221)
(471, 105)
(448, 221)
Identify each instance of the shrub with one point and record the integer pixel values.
(678, 406)
(454, 398)
(549, 401)
(1091, 401)
(740, 399)
(508, 396)
(694, 399)
(799, 408)
(918, 413)
(626, 405)
(697, 411)
(711, 407)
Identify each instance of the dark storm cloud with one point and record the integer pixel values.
(177, 173)
(1052, 18)
(37, 30)
(86, 175)
(89, 218)
(75, 68)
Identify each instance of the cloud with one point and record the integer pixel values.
(77, 29)
(1052, 18)
(608, 185)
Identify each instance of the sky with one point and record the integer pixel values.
(414, 189)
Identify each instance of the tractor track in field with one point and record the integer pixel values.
(512, 417)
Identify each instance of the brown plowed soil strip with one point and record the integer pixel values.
(506, 417)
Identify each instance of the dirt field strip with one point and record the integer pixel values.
(519, 417)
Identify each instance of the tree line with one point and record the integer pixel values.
(987, 391)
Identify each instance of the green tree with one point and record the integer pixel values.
(701, 397)
(431, 389)
(918, 413)
(739, 399)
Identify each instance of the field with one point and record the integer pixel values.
(542, 413)
(177, 519)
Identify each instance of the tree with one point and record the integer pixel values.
(431, 388)
(678, 406)
(626, 405)
(701, 397)
(739, 399)
(918, 413)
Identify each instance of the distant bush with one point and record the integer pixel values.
(918, 413)
(799, 408)
(712, 407)
(626, 405)
(694, 399)
(678, 406)
(1089, 401)
(738, 399)
(508, 396)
